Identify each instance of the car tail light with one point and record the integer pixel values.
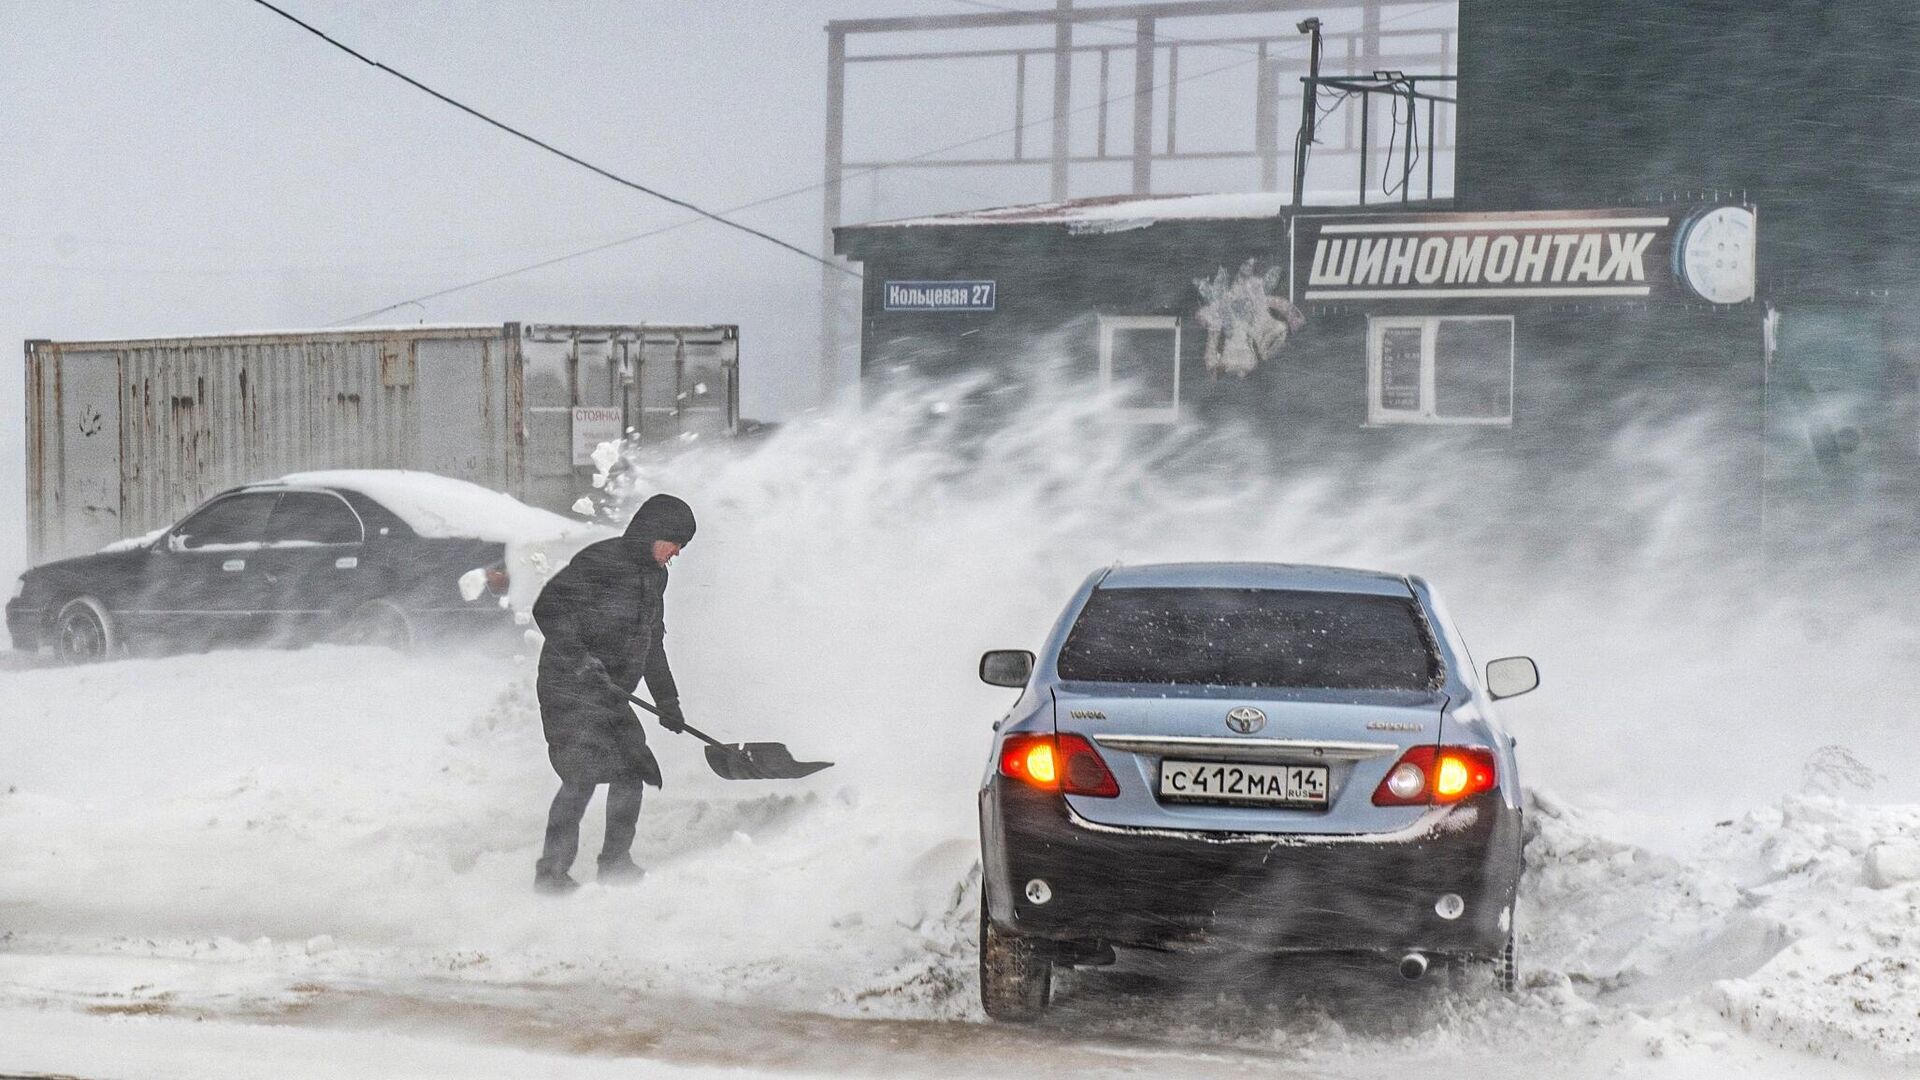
(497, 580)
(1067, 763)
(1446, 774)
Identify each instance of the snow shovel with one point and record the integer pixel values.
(747, 761)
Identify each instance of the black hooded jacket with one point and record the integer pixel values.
(603, 618)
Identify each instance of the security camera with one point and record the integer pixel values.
(1308, 26)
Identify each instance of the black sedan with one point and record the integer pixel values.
(356, 556)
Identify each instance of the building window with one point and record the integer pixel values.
(1440, 370)
(1140, 365)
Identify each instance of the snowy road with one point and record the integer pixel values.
(580, 1024)
(1124, 1026)
(211, 865)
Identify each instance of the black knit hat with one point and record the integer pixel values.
(662, 517)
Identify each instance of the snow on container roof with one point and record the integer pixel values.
(255, 337)
(442, 507)
(427, 330)
(1113, 213)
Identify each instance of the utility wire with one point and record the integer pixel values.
(549, 147)
(809, 188)
(788, 194)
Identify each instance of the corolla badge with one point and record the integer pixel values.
(1246, 719)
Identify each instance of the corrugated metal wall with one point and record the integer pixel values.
(195, 416)
(204, 417)
(123, 437)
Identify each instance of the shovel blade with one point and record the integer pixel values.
(759, 761)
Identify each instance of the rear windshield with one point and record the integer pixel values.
(1251, 637)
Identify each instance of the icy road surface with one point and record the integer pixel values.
(321, 860)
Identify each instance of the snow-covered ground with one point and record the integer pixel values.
(323, 858)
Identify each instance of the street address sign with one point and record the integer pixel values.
(939, 295)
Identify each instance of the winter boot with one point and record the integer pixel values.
(549, 883)
(621, 870)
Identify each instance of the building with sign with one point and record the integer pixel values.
(1672, 224)
(1522, 342)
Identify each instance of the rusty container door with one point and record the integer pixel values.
(454, 386)
(686, 385)
(73, 450)
(361, 403)
(709, 395)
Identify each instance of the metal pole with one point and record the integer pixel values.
(1143, 107)
(830, 285)
(1266, 121)
(1309, 112)
(1406, 147)
(1062, 98)
(1173, 93)
(1100, 151)
(1433, 148)
(1370, 35)
(1366, 116)
(1019, 106)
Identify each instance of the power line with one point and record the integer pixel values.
(549, 147)
(813, 187)
(582, 253)
(816, 186)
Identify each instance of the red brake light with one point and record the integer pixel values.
(1444, 774)
(1066, 763)
(497, 580)
(1085, 773)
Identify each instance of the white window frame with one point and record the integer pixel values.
(1429, 327)
(1111, 323)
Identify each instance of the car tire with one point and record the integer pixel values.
(379, 623)
(1016, 975)
(1502, 970)
(1506, 966)
(83, 632)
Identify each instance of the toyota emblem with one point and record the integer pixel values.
(1246, 719)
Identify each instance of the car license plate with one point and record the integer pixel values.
(1233, 782)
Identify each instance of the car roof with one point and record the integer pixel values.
(1255, 575)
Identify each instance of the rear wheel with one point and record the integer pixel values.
(83, 632)
(1016, 974)
(1506, 966)
(1502, 968)
(380, 624)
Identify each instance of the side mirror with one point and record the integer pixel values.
(1511, 676)
(1006, 667)
(174, 543)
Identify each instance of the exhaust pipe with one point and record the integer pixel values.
(1412, 966)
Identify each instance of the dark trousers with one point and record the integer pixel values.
(563, 823)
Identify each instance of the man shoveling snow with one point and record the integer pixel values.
(603, 618)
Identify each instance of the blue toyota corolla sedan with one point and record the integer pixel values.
(1249, 756)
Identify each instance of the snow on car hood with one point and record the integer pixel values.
(133, 543)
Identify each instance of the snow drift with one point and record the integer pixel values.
(1718, 859)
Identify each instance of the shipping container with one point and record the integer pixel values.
(123, 437)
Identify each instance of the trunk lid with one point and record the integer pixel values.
(1356, 735)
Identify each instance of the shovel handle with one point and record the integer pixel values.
(688, 728)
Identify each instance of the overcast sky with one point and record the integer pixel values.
(202, 166)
